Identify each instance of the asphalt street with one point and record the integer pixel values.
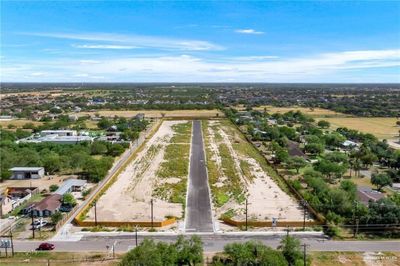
(198, 211)
(211, 243)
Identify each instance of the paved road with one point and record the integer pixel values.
(198, 211)
(212, 243)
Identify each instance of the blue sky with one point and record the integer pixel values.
(200, 41)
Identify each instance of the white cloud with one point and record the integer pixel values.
(248, 31)
(135, 40)
(103, 46)
(326, 67)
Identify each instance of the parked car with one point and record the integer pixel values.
(46, 246)
(66, 208)
(39, 224)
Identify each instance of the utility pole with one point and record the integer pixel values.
(304, 203)
(246, 213)
(152, 220)
(304, 254)
(136, 229)
(33, 225)
(12, 243)
(287, 231)
(95, 213)
(355, 220)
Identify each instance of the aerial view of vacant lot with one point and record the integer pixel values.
(158, 172)
(237, 171)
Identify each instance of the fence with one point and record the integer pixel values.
(269, 223)
(127, 223)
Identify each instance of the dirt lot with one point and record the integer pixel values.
(128, 199)
(42, 183)
(157, 113)
(236, 171)
(381, 127)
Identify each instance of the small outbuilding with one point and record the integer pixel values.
(71, 185)
(27, 172)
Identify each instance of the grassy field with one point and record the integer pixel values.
(355, 258)
(60, 259)
(316, 112)
(157, 113)
(18, 123)
(381, 127)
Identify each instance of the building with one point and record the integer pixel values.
(27, 172)
(139, 116)
(60, 133)
(366, 194)
(6, 205)
(71, 185)
(53, 138)
(48, 206)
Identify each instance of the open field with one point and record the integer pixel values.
(18, 123)
(60, 259)
(156, 113)
(315, 112)
(381, 127)
(237, 171)
(159, 172)
(355, 258)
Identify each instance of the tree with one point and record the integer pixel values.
(330, 169)
(290, 247)
(314, 148)
(189, 251)
(98, 147)
(296, 162)
(323, 124)
(52, 162)
(380, 180)
(69, 199)
(104, 123)
(56, 217)
(250, 253)
(53, 188)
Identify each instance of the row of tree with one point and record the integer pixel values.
(190, 252)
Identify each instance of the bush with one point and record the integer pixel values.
(53, 188)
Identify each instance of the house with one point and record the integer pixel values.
(5, 205)
(48, 206)
(27, 172)
(294, 149)
(348, 144)
(139, 116)
(366, 194)
(71, 185)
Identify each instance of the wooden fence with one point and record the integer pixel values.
(127, 223)
(269, 223)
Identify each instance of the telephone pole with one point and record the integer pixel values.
(355, 220)
(152, 217)
(95, 213)
(304, 203)
(33, 225)
(246, 213)
(304, 254)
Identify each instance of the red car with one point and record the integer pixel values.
(46, 246)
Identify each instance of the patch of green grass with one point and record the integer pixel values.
(175, 162)
(182, 133)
